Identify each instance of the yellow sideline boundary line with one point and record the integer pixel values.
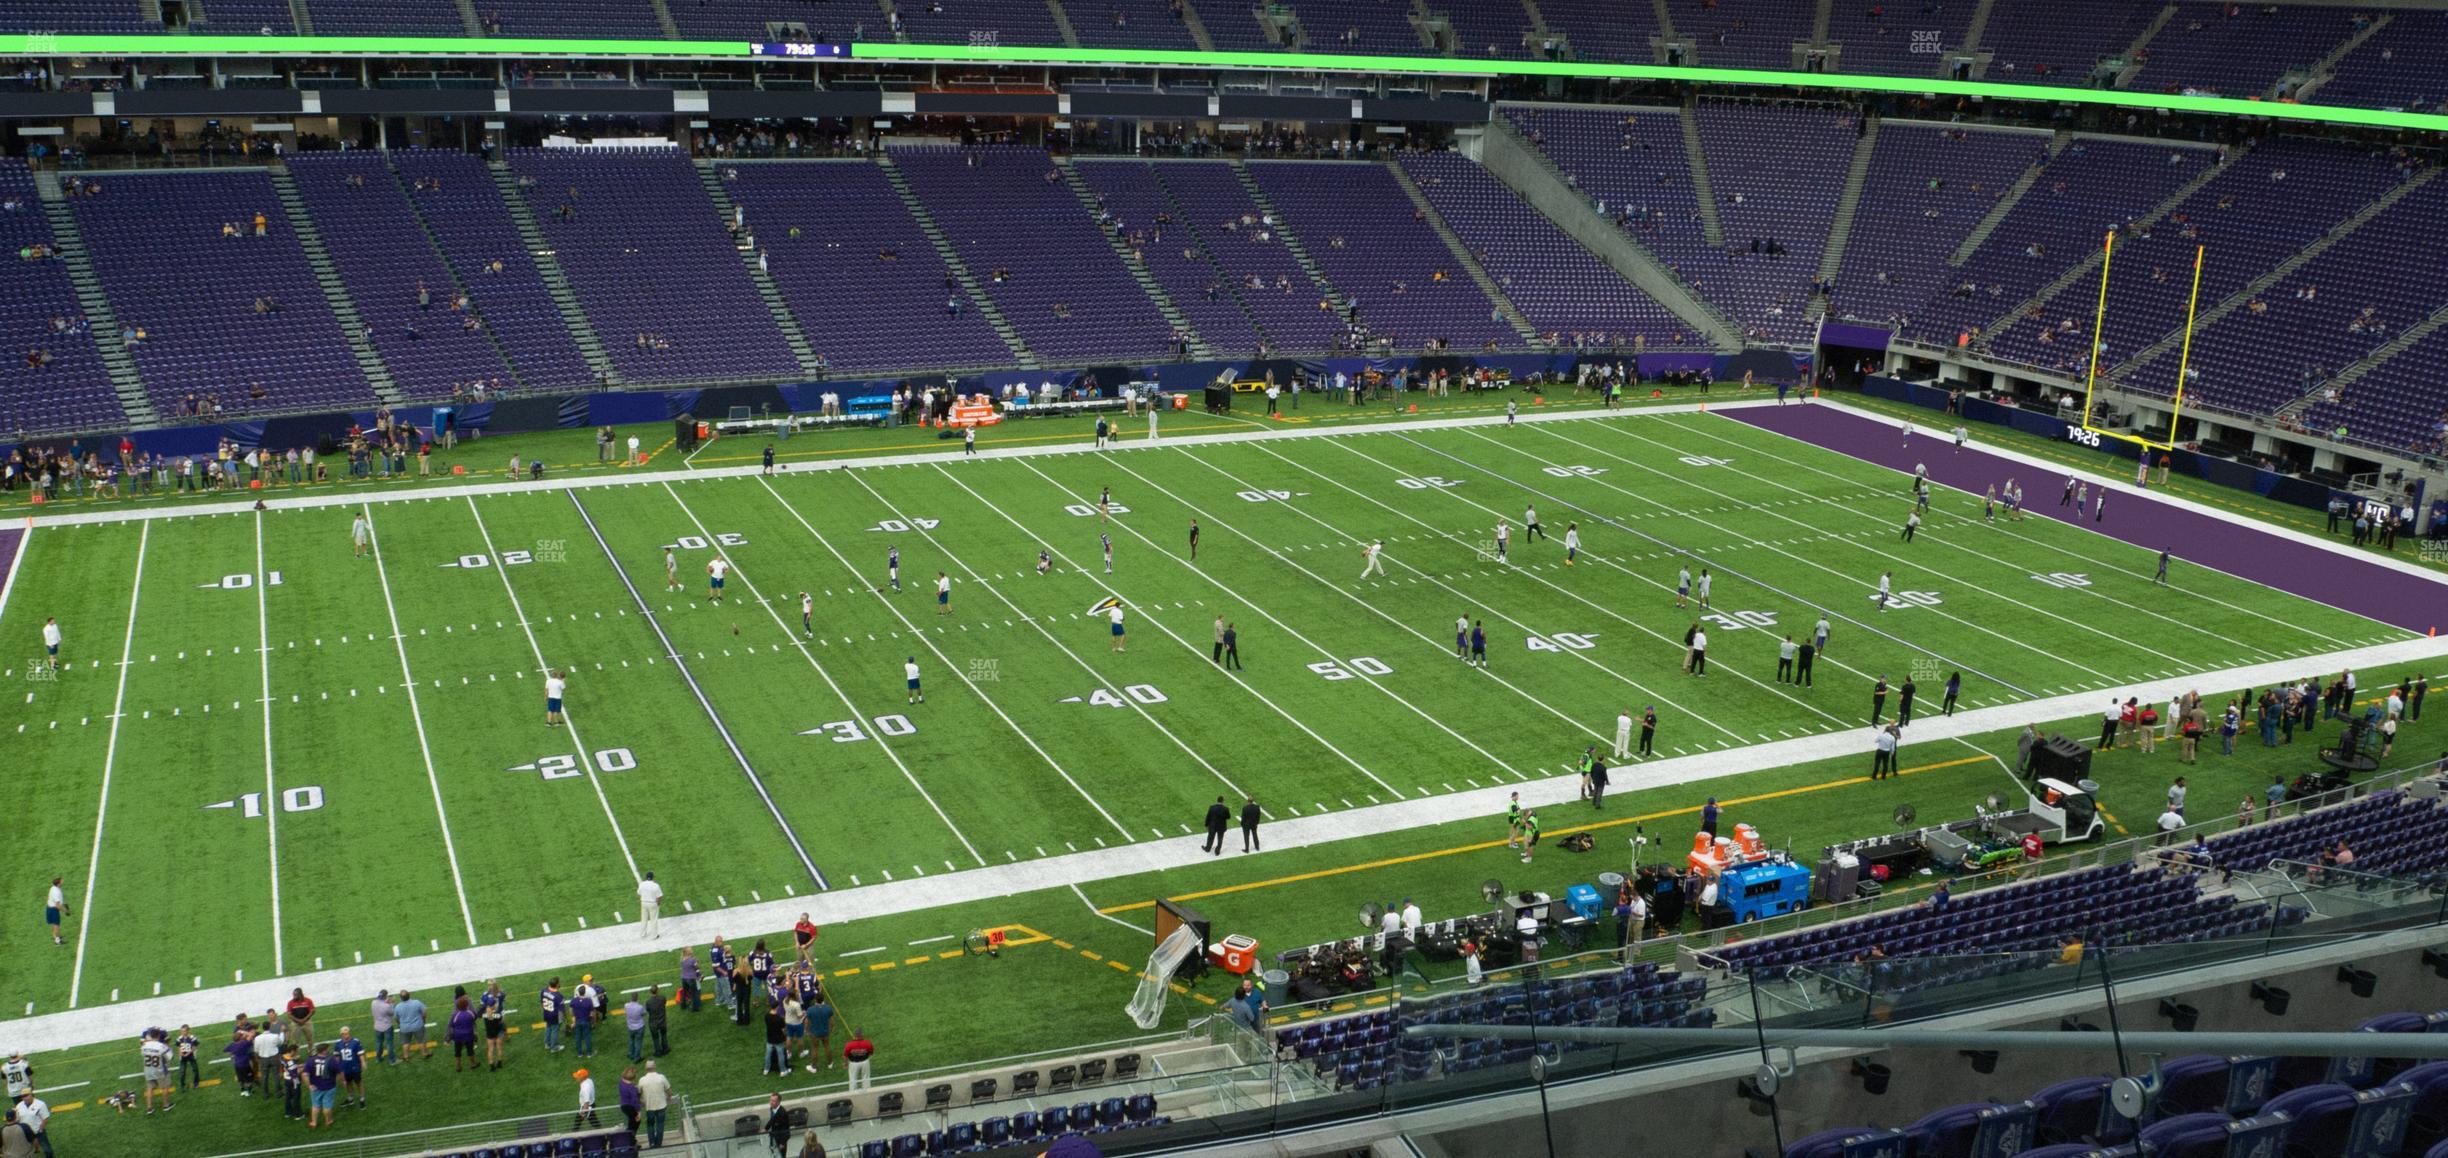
(1483, 846)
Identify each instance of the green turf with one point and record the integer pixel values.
(1047, 994)
(1036, 738)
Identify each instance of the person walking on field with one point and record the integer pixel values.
(1250, 816)
(1219, 818)
(55, 910)
(1232, 647)
(1623, 736)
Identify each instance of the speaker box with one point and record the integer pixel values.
(2061, 759)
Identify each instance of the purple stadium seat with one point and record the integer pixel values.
(158, 245)
(649, 259)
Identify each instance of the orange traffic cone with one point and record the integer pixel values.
(1411, 409)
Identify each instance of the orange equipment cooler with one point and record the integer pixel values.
(1236, 954)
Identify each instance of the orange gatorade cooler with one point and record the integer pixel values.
(1236, 954)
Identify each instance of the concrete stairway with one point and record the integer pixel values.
(663, 17)
(1062, 23)
(1701, 191)
(327, 276)
(1513, 160)
(556, 283)
(2260, 285)
(100, 320)
(1978, 27)
(2005, 204)
(2404, 341)
(1196, 27)
(458, 284)
(1505, 308)
(2090, 265)
(2323, 69)
(1148, 284)
(1198, 237)
(1284, 233)
(801, 350)
(944, 249)
(1840, 231)
(2167, 12)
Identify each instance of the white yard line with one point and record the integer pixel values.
(2078, 626)
(938, 652)
(1864, 585)
(899, 898)
(568, 718)
(272, 798)
(1323, 652)
(1702, 430)
(1169, 633)
(450, 849)
(821, 673)
(2328, 544)
(1738, 673)
(1948, 543)
(110, 752)
(671, 651)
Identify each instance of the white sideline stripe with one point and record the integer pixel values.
(772, 806)
(2329, 545)
(2067, 552)
(450, 848)
(585, 759)
(272, 798)
(938, 652)
(88, 1026)
(110, 751)
(1289, 630)
(635, 478)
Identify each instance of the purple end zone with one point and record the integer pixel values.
(2336, 578)
(10, 537)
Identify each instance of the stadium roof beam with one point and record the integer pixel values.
(52, 45)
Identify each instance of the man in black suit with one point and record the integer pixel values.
(1219, 818)
(1249, 825)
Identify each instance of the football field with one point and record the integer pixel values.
(268, 753)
